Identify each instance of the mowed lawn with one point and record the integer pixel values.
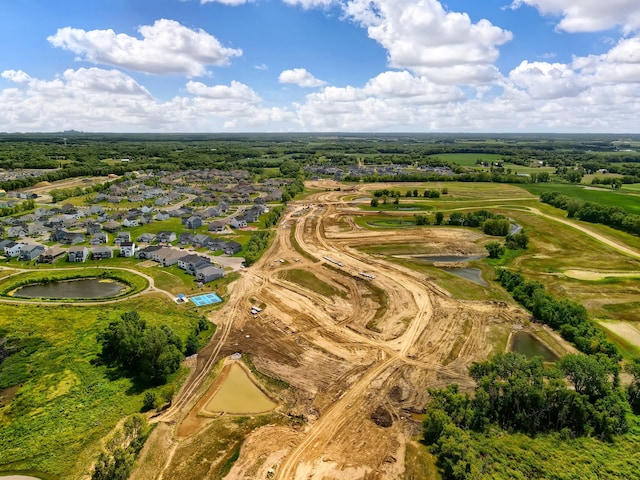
(56, 403)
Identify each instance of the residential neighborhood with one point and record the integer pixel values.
(137, 216)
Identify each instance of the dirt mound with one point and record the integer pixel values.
(42, 184)
(382, 417)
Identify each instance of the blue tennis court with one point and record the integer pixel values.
(206, 299)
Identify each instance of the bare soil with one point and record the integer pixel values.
(357, 365)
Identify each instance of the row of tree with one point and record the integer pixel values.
(566, 316)
(255, 247)
(614, 217)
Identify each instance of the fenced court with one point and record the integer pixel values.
(205, 299)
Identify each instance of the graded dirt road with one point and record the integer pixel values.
(358, 362)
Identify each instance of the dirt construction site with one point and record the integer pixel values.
(349, 371)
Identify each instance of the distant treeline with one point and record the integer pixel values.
(566, 316)
(64, 173)
(614, 217)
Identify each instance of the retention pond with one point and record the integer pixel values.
(82, 288)
(530, 346)
(238, 394)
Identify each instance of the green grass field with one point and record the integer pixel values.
(609, 197)
(57, 403)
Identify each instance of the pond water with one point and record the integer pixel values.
(527, 344)
(472, 274)
(83, 288)
(238, 394)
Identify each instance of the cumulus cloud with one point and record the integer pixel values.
(300, 77)
(547, 80)
(165, 47)
(235, 92)
(589, 15)
(109, 100)
(420, 35)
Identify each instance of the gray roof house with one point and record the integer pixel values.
(99, 253)
(208, 273)
(31, 252)
(78, 254)
(191, 263)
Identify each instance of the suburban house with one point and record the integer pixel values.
(78, 254)
(12, 249)
(167, 256)
(99, 238)
(201, 240)
(31, 252)
(160, 216)
(191, 263)
(147, 252)
(58, 235)
(16, 231)
(93, 228)
(238, 222)
(127, 249)
(146, 238)
(99, 253)
(185, 238)
(218, 226)
(131, 222)
(73, 238)
(166, 237)
(193, 222)
(232, 247)
(111, 226)
(52, 254)
(209, 273)
(122, 237)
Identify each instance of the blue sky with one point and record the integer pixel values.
(320, 65)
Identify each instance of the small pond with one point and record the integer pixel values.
(83, 288)
(530, 346)
(472, 274)
(238, 394)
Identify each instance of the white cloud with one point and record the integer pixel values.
(547, 80)
(108, 100)
(16, 76)
(235, 92)
(165, 47)
(589, 15)
(307, 4)
(262, 66)
(420, 35)
(300, 77)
